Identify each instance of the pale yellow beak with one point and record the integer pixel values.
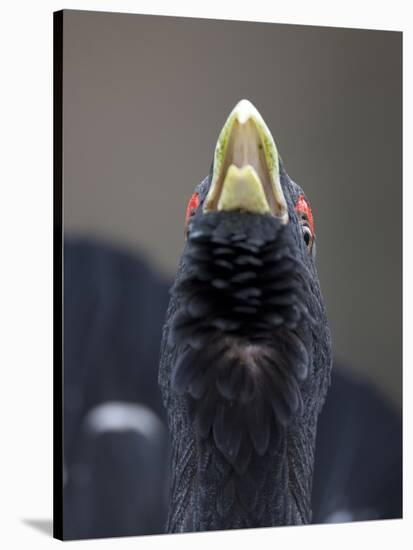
(246, 167)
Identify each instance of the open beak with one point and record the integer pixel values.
(246, 168)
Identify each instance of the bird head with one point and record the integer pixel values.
(247, 346)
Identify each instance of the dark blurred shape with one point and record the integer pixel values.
(115, 438)
(116, 466)
(358, 467)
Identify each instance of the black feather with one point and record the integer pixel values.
(258, 423)
(185, 370)
(225, 500)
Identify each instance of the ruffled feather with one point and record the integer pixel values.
(241, 326)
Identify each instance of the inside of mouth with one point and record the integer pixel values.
(245, 148)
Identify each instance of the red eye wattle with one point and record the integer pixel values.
(303, 208)
(192, 206)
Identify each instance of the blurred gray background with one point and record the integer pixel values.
(145, 98)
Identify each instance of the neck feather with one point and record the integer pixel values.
(208, 494)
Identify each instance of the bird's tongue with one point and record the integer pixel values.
(247, 177)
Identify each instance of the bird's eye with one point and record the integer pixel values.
(306, 220)
(307, 235)
(191, 208)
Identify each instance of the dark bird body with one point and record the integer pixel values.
(246, 350)
(116, 482)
